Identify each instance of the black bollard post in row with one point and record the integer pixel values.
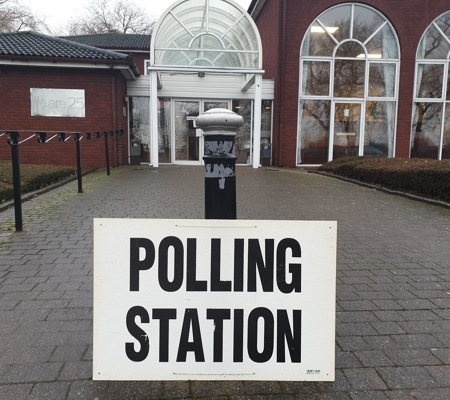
(13, 141)
(78, 140)
(105, 134)
(220, 126)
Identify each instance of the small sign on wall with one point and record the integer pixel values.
(57, 103)
(214, 300)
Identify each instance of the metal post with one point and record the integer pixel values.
(105, 134)
(219, 126)
(77, 140)
(14, 143)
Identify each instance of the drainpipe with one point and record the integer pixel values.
(283, 71)
(114, 122)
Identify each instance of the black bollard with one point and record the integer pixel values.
(105, 134)
(77, 140)
(14, 143)
(219, 126)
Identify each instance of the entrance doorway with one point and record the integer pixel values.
(346, 138)
(188, 141)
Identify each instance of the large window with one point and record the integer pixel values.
(430, 131)
(348, 86)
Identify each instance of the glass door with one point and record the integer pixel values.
(187, 141)
(346, 130)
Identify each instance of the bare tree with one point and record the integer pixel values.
(15, 17)
(105, 16)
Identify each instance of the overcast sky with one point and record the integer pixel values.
(59, 12)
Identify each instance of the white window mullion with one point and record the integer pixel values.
(331, 139)
(352, 13)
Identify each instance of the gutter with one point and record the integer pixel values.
(69, 63)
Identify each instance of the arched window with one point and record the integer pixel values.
(210, 33)
(430, 132)
(348, 86)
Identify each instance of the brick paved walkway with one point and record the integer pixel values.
(393, 287)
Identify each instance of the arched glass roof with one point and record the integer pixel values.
(207, 33)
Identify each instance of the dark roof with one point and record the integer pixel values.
(32, 44)
(117, 41)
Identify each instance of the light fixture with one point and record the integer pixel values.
(319, 29)
(201, 74)
(368, 56)
(237, 107)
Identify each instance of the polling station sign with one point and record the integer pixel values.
(214, 300)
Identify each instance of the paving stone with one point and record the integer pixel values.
(441, 374)
(15, 392)
(76, 370)
(81, 390)
(32, 373)
(69, 353)
(411, 357)
(176, 389)
(364, 379)
(368, 395)
(262, 387)
(50, 391)
(213, 389)
(407, 377)
(374, 358)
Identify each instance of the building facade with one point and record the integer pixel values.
(356, 78)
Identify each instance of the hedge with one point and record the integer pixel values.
(424, 177)
(32, 177)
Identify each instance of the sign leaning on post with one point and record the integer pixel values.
(214, 300)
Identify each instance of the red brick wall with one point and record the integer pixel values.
(409, 18)
(139, 59)
(15, 114)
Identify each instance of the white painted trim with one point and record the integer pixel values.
(257, 121)
(154, 119)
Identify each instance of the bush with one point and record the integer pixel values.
(32, 177)
(424, 177)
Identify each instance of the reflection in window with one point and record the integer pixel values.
(430, 130)
(266, 130)
(164, 131)
(429, 81)
(381, 79)
(244, 133)
(314, 134)
(347, 129)
(379, 129)
(364, 69)
(316, 78)
(426, 133)
(140, 126)
(349, 78)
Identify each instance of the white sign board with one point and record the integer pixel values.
(57, 103)
(214, 300)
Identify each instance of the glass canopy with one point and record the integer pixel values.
(207, 33)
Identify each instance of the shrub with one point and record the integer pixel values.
(425, 177)
(32, 177)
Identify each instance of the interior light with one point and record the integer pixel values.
(267, 107)
(237, 107)
(369, 56)
(319, 29)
